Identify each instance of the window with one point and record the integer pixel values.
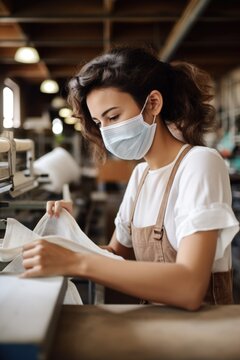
(11, 105)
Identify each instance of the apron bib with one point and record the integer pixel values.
(151, 243)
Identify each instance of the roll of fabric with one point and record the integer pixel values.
(61, 168)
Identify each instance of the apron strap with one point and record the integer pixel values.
(138, 192)
(160, 219)
(167, 191)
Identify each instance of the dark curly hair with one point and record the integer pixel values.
(186, 91)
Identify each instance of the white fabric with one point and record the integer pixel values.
(61, 168)
(200, 199)
(63, 231)
(71, 297)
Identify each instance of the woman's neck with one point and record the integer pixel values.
(164, 149)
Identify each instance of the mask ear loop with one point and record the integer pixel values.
(144, 104)
(154, 118)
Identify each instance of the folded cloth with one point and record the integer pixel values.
(63, 231)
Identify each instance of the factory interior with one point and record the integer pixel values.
(45, 157)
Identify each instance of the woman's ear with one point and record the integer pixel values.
(155, 102)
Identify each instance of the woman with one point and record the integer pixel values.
(175, 218)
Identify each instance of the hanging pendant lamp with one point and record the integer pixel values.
(27, 55)
(49, 86)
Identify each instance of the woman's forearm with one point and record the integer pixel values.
(162, 283)
(183, 283)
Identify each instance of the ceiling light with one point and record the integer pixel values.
(78, 127)
(27, 55)
(49, 86)
(65, 112)
(58, 102)
(57, 126)
(70, 120)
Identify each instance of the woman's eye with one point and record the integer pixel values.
(112, 118)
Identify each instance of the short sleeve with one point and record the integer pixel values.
(204, 199)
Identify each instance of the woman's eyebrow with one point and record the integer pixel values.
(106, 111)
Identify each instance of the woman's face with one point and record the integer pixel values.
(109, 106)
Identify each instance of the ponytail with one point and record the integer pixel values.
(189, 105)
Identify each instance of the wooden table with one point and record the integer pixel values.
(114, 332)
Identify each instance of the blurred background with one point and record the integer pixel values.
(43, 43)
(63, 35)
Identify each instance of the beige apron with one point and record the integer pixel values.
(150, 243)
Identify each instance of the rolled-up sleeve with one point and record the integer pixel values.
(204, 201)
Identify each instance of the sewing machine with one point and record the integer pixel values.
(17, 177)
(14, 178)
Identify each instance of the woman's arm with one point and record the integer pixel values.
(181, 284)
(117, 248)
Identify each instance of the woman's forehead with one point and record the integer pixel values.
(107, 96)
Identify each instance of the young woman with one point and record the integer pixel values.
(175, 218)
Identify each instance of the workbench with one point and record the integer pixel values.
(146, 332)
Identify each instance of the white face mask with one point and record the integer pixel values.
(130, 139)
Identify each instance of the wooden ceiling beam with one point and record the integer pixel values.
(4, 9)
(25, 70)
(74, 32)
(182, 27)
(52, 43)
(107, 28)
(86, 19)
(14, 43)
(114, 18)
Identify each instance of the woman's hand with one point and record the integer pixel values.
(42, 258)
(54, 207)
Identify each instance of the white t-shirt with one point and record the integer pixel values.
(200, 199)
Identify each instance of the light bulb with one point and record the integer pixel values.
(49, 86)
(65, 112)
(27, 55)
(57, 126)
(70, 120)
(78, 127)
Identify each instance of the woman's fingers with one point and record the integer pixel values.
(32, 245)
(57, 208)
(35, 271)
(32, 254)
(50, 207)
(29, 253)
(31, 262)
(54, 207)
(46, 259)
(34, 258)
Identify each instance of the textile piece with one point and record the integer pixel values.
(63, 231)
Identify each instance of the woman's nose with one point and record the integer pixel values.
(104, 123)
